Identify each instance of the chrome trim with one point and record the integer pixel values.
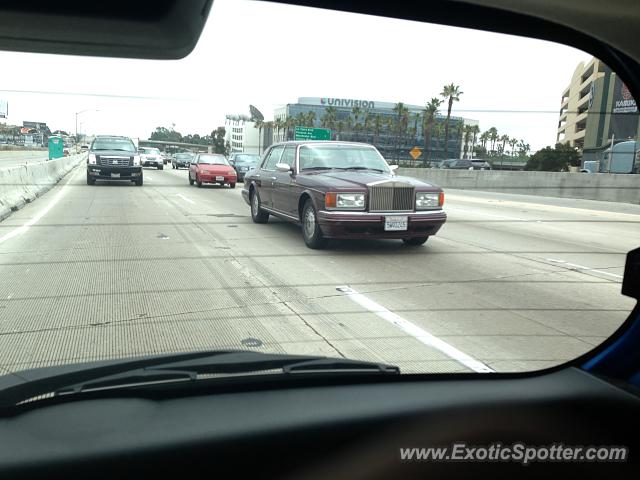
(416, 215)
(278, 212)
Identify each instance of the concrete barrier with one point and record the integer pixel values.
(589, 186)
(24, 183)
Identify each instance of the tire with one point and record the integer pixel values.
(173, 166)
(311, 232)
(232, 185)
(160, 167)
(190, 179)
(257, 214)
(139, 182)
(91, 181)
(415, 241)
(198, 182)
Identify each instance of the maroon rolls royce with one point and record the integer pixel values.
(342, 190)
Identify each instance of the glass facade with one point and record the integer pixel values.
(377, 126)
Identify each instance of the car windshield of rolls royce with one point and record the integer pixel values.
(371, 194)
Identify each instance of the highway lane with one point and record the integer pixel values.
(509, 284)
(21, 157)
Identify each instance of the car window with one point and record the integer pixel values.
(212, 160)
(273, 158)
(289, 155)
(123, 144)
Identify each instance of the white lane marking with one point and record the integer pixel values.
(52, 203)
(185, 198)
(149, 179)
(582, 267)
(418, 333)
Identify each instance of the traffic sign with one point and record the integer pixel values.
(415, 152)
(310, 133)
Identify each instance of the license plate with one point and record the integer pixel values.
(395, 223)
(115, 175)
(219, 179)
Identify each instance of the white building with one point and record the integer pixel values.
(242, 134)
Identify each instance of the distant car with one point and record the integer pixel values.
(212, 168)
(481, 165)
(151, 157)
(458, 165)
(342, 190)
(84, 148)
(181, 160)
(243, 163)
(113, 158)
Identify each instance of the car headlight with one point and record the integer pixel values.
(353, 201)
(92, 159)
(136, 160)
(426, 200)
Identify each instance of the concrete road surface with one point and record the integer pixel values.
(510, 283)
(21, 157)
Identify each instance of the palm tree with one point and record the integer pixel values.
(377, 125)
(467, 131)
(484, 138)
(504, 139)
(278, 126)
(437, 131)
(259, 125)
(289, 123)
(493, 136)
(301, 120)
(428, 119)
(402, 121)
(356, 111)
(451, 93)
(329, 118)
(475, 129)
(512, 143)
(340, 127)
(311, 118)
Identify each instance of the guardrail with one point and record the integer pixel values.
(22, 184)
(590, 186)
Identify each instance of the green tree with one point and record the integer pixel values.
(377, 126)
(553, 159)
(166, 135)
(311, 118)
(356, 111)
(504, 139)
(219, 145)
(451, 93)
(277, 125)
(484, 138)
(428, 119)
(512, 143)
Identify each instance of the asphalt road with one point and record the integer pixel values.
(510, 283)
(21, 157)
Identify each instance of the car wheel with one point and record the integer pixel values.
(160, 167)
(257, 214)
(139, 182)
(190, 179)
(415, 241)
(198, 182)
(311, 232)
(232, 185)
(91, 181)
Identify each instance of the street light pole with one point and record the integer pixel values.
(83, 111)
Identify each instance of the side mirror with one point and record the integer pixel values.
(393, 168)
(283, 167)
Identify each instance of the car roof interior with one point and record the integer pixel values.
(322, 427)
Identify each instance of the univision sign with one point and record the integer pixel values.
(347, 102)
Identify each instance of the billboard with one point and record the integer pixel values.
(624, 112)
(4, 109)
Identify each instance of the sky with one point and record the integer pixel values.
(268, 55)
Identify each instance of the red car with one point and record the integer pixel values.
(211, 168)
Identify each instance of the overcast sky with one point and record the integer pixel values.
(269, 55)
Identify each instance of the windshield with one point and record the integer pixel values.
(150, 151)
(212, 160)
(341, 156)
(420, 200)
(246, 159)
(123, 144)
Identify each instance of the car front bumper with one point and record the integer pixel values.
(212, 178)
(100, 172)
(151, 163)
(337, 224)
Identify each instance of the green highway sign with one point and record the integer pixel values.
(310, 133)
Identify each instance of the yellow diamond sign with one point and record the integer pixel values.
(415, 152)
